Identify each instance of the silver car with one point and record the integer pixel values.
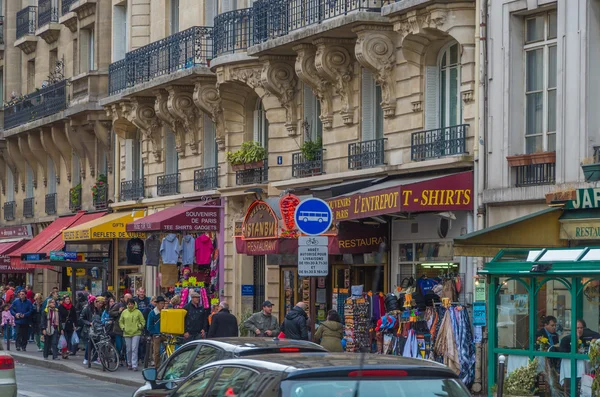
(8, 379)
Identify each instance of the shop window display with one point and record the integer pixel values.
(513, 314)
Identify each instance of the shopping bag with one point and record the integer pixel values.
(62, 343)
(586, 386)
(74, 339)
(281, 335)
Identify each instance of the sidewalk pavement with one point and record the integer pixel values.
(75, 365)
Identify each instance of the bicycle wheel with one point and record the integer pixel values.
(109, 357)
(148, 350)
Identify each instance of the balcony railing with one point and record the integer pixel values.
(75, 199)
(253, 176)
(1, 30)
(45, 102)
(304, 166)
(366, 154)
(132, 190)
(66, 6)
(233, 31)
(167, 185)
(100, 197)
(28, 204)
(535, 174)
(26, 21)
(179, 51)
(50, 204)
(437, 143)
(9, 210)
(276, 18)
(206, 179)
(47, 12)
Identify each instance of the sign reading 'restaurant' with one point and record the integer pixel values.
(448, 193)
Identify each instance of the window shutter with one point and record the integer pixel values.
(171, 158)
(309, 110)
(378, 113)
(10, 185)
(209, 143)
(228, 5)
(211, 9)
(432, 97)
(51, 177)
(174, 16)
(257, 125)
(76, 165)
(29, 182)
(367, 106)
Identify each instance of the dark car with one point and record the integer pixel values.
(323, 375)
(195, 354)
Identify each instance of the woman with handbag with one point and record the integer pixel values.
(68, 321)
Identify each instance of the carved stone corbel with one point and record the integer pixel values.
(162, 112)
(121, 116)
(87, 138)
(30, 159)
(278, 78)
(14, 153)
(39, 153)
(145, 118)
(334, 63)
(59, 139)
(103, 130)
(45, 137)
(3, 167)
(181, 106)
(375, 49)
(251, 76)
(75, 140)
(10, 164)
(420, 21)
(307, 72)
(207, 99)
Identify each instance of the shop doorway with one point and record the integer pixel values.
(258, 274)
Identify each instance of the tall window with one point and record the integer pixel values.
(540, 83)
(261, 125)
(174, 16)
(209, 152)
(29, 182)
(120, 32)
(228, 5)
(51, 176)
(312, 110)
(211, 9)
(171, 155)
(87, 53)
(450, 109)
(30, 76)
(76, 165)
(133, 159)
(371, 111)
(10, 185)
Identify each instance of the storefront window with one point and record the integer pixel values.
(512, 313)
(553, 301)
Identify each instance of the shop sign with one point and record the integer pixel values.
(63, 256)
(80, 272)
(5, 266)
(357, 239)
(313, 256)
(580, 230)
(449, 193)
(247, 290)
(585, 199)
(16, 231)
(480, 291)
(479, 314)
(260, 222)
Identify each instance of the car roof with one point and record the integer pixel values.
(247, 344)
(302, 364)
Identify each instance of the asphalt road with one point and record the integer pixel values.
(42, 382)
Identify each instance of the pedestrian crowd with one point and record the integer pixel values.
(60, 327)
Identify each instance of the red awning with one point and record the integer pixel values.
(50, 239)
(5, 249)
(190, 217)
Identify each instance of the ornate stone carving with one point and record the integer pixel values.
(181, 106)
(162, 112)
(59, 139)
(40, 154)
(30, 158)
(468, 96)
(278, 78)
(334, 63)
(103, 129)
(207, 98)
(145, 118)
(48, 146)
(307, 72)
(120, 114)
(416, 22)
(250, 76)
(88, 142)
(74, 138)
(417, 106)
(376, 50)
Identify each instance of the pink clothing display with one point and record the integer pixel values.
(7, 318)
(204, 250)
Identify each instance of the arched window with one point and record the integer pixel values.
(442, 90)
(261, 125)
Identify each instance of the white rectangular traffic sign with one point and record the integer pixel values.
(313, 256)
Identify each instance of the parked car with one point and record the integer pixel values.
(322, 375)
(195, 354)
(8, 379)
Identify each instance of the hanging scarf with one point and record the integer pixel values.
(68, 307)
(52, 322)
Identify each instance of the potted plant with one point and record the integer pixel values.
(75, 193)
(521, 381)
(543, 158)
(310, 149)
(591, 167)
(519, 160)
(100, 184)
(250, 155)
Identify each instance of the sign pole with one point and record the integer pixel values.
(313, 306)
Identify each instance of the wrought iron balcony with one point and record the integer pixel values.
(26, 21)
(66, 6)
(253, 176)
(167, 185)
(233, 31)
(179, 51)
(50, 204)
(276, 18)
(304, 166)
(45, 102)
(535, 174)
(206, 179)
(75, 199)
(133, 190)
(47, 12)
(9, 210)
(440, 142)
(1, 30)
(28, 204)
(100, 196)
(366, 154)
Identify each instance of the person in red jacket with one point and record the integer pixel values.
(10, 292)
(29, 292)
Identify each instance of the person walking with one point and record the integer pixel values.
(295, 325)
(9, 295)
(8, 322)
(263, 323)
(153, 327)
(36, 320)
(331, 332)
(21, 309)
(115, 314)
(90, 314)
(224, 324)
(51, 329)
(196, 321)
(68, 321)
(132, 323)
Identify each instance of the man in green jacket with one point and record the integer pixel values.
(132, 323)
(263, 323)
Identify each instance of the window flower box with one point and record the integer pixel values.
(519, 160)
(543, 158)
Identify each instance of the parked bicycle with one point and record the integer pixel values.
(101, 344)
(170, 344)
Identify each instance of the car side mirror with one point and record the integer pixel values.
(149, 374)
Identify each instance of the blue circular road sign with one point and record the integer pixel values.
(313, 216)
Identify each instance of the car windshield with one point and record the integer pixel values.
(427, 387)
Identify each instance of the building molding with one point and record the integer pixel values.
(120, 113)
(162, 113)
(59, 138)
(13, 152)
(39, 153)
(74, 139)
(181, 106)
(419, 21)
(279, 79)
(29, 157)
(208, 100)
(144, 117)
(49, 147)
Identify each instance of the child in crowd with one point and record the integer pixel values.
(8, 322)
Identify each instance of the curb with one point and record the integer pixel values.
(51, 364)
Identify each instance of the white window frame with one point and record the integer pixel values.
(545, 44)
(371, 110)
(444, 100)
